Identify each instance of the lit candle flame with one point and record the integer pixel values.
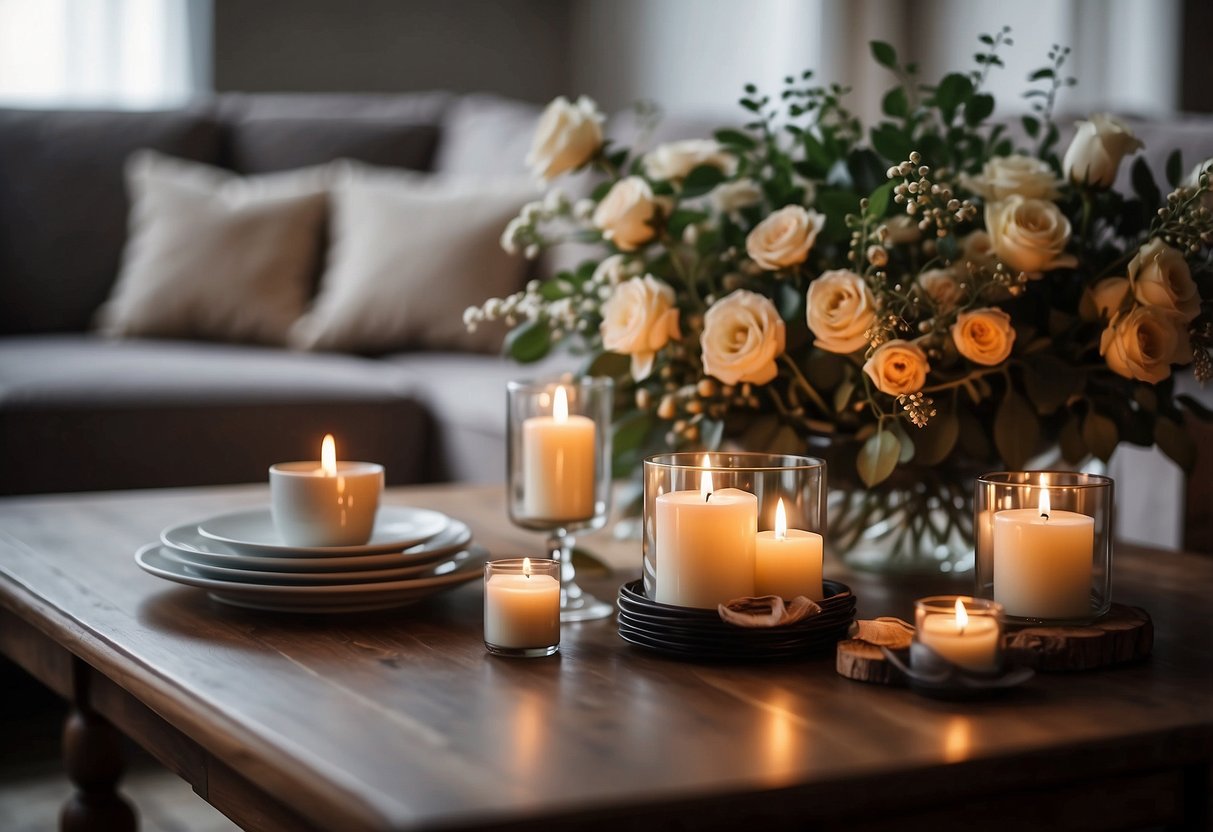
(1045, 508)
(781, 521)
(560, 405)
(526, 567)
(705, 479)
(328, 456)
(962, 617)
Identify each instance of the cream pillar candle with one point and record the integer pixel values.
(970, 642)
(521, 610)
(558, 464)
(705, 545)
(787, 562)
(1042, 561)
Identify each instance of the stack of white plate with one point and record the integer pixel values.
(240, 559)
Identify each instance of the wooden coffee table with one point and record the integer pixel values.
(400, 720)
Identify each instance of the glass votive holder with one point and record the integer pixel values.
(963, 630)
(522, 607)
(1044, 545)
(711, 530)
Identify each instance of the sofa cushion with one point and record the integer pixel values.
(63, 205)
(212, 255)
(81, 413)
(263, 145)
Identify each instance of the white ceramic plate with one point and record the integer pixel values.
(313, 599)
(252, 531)
(254, 576)
(186, 540)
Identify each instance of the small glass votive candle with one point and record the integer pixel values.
(522, 607)
(720, 526)
(1044, 545)
(963, 630)
(325, 503)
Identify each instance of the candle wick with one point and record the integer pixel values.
(1045, 516)
(707, 496)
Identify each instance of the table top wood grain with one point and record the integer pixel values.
(401, 720)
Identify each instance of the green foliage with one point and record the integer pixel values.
(528, 342)
(878, 457)
(1016, 430)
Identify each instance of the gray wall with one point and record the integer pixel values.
(519, 48)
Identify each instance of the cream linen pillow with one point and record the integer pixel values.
(409, 253)
(212, 255)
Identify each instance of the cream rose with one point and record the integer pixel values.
(731, 197)
(626, 214)
(1160, 276)
(1094, 155)
(898, 367)
(742, 336)
(673, 161)
(569, 135)
(903, 229)
(1193, 181)
(1029, 235)
(1005, 176)
(942, 287)
(1144, 343)
(639, 319)
(840, 310)
(784, 238)
(977, 248)
(984, 336)
(1109, 294)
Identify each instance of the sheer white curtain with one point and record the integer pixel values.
(111, 53)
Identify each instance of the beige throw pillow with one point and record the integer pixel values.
(212, 255)
(409, 253)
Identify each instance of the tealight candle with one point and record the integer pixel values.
(1043, 560)
(558, 464)
(971, 641)
(787, 562)
(325, 503)
(522, 607)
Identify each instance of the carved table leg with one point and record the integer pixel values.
(93, 754)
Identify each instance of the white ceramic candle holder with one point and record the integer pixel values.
(1044, 545)
(312, 508)
(522, 607)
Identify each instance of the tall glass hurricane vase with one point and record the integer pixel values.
(559, 472)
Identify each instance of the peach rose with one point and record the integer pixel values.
(840, 310)
(1160, 276)
(639, 319)
(784, 238)
(1004, 176)
(984, 336)
(673, 161)
(1029, 235)
(942, 287)
(742, 336)
(1109, 294)
(898, 367)
(1144, 343)
(569, 135)
(625, 215)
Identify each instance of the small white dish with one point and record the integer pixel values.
(313, 599)
(253, 531)
(192, 546)
(255, 576)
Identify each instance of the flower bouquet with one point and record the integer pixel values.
(917, 301)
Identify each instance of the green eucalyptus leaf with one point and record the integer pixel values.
(1175, 168)
(1175, 442)
(613, 364)
(1031, 126)
(1143, 184)
(1016, 430)
(1100, 434)
(895, 103)
(1039, 74)
(701, 180)
(884, 54)
(818, 160)
(878, 457)
(736, 138)
(891, 142)
(878, 202)
(1050, 382)
(934, 442)
(953, 91)
(528, 342)
(979, 108)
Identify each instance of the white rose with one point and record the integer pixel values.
(1098, 147)
(730, 197)
(742, 336)
(977, 248)
(615, 269)
(673, 161)
(1109, 294)
(903, 229)
(1005, 176)
(1145, 343)
(840, 310)
(638, 320)
(984, 336)
(1029, 235)
(1160, 276)
(626, 213)
(1193, 181)
(568, 136)
(784, 238)
(898, 367)
(942, 287)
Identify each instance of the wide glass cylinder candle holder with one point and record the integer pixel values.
(559, 471)
(719, 526)
(962, 630)
(1044, 545)
(522, 607)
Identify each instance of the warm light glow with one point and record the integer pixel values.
(1045, 508)
(962, 616)
(957, 740)
(328, 456)
(781, 521)
(560, 406)
(705, 479)
(526, 567)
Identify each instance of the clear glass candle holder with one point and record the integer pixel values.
(963, 630)
(522, 607)
(559, 471)
(710, 526)
(1044, 545)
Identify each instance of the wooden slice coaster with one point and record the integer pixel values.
(1125, 634)
(860, 657)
